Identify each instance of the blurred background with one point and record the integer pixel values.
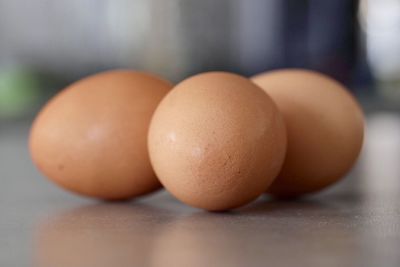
(45, 45)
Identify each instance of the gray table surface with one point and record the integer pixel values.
(355, 223)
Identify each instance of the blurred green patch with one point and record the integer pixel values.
(19, 92)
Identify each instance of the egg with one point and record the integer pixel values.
(325, 128)
(91, 138)
(217, 141)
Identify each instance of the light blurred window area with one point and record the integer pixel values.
(45, 45)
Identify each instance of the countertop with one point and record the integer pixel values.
(354, 223)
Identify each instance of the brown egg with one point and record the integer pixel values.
(325, 129)
(92, 137)
(217, 141)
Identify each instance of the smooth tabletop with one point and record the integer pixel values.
(354, 223)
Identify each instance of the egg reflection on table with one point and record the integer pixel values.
(254, 234)
(325, 128)
(98, 235)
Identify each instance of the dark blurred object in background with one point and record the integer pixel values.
(67, 40)
(323, 37)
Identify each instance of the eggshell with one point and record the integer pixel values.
(217, 141)
(91, 138)
(325, 129)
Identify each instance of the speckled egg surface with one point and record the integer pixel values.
(217, 141)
